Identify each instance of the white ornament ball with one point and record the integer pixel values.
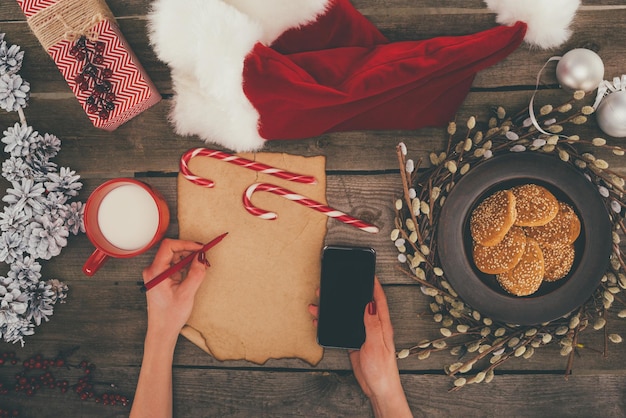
(580, 69)
(611, 114)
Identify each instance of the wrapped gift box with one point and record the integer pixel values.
(87, 46)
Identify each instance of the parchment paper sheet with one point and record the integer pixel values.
(253, 302)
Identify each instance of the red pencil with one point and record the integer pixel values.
(182, 263)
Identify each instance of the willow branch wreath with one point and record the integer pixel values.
(478, 343)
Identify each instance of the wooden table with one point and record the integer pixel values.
(105, 315)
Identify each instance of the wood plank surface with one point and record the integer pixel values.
(109, 329)
(106, 315)
(234, 393)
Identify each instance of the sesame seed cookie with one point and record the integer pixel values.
(557, 262)
(501, 257)
(526, 277)
(535, 205)
(493, 218)
(559, 232)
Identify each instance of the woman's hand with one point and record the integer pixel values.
(169, 307)
(170, 303)
(375, 366)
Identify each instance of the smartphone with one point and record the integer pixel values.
(346, 287)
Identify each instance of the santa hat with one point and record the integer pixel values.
(247, 71)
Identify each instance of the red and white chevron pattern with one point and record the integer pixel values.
(30, 7)
(133, 89)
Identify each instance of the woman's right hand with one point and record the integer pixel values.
(375, 365)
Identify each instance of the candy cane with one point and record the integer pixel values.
(326, 210)
(242, 162)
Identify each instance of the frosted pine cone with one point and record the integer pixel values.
(25, 272)
(66, 181)
(41, 302)
(20, 140)
(10, 57)
(14, 92)
(46, 237)
(27, 196)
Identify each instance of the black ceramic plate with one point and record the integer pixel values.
(482, 291)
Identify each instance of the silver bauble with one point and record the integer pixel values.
(580, 69)
(611, 114)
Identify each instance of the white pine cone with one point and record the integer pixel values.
(14, 92)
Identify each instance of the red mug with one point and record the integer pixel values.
(123, 218)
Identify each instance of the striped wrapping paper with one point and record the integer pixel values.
(133, 89)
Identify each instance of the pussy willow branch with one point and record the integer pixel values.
(405, 186)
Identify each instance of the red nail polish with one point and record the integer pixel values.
(371, 308)
(201, 257)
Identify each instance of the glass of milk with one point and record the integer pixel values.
(123, 218)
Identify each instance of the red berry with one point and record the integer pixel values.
(84, 86)
(104, 114)
(98, 59)
(107, 73)
(99, 46)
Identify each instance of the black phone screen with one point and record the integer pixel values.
(346, 287)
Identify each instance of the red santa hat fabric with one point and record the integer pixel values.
(247, 71)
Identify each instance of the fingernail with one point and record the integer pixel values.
(371, 308)
(201, 257)
(206, 262)
(199, 243)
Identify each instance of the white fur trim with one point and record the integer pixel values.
(548, 21)
(276, 16)
(205, 43)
